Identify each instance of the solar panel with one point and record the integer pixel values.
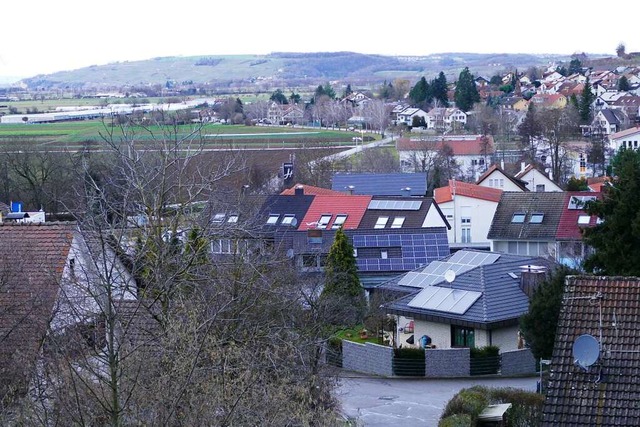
(455, 301)
(473, 258)
(396, 205)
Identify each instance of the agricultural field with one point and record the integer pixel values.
(82, 134)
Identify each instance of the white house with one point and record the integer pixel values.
(496, 177)
(446, 118)
(536, 180)
(406, 116)
(629, 138)
(469, 209)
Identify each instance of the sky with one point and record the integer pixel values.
(44, 36)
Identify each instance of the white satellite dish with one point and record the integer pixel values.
(586, 350)
(449, 276)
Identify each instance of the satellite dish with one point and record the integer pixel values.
(450, 276)
(290, 253)
(586, 350)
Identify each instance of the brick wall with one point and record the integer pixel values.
(367, 358)
(518, 362)
(447, 362)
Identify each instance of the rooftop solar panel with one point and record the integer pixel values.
(447, 300)
(396, 205)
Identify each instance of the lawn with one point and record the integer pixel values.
(353, 334)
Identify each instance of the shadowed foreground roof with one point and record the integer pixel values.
(32, 261)
(608, 392)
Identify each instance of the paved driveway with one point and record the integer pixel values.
(408, 402)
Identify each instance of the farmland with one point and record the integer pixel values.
(82, 134)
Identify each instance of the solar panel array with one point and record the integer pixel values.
(460, 262)
(396, 205)
(448, 300)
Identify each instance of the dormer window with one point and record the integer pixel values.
(536, 218)
(324, 221)
(518, 218)
(339, 221)
(273, 219)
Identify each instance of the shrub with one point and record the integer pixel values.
(487, 351)
(409, 353)
(526, 409)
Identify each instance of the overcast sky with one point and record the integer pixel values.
(44, 36)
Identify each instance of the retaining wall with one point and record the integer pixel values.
(367, 358)
(442, 363)
(518, 362)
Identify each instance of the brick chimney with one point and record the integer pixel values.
(299, 190)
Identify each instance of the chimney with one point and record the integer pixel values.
(299, 190)
(502, 164)
(350, 189)
(406, 191)
(523, 166)
(531, 276)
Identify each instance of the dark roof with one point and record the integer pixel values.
(297, 205)
(31, 266)
(381, 184)
(614, 116)
(502, 301)
(413, 218)
(608, 309)
(550, 204)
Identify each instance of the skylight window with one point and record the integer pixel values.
(397, 222)
(288, 219)
(324, 220)
(381, 222)
(339, 222)
(232, 219)
(584, 219)
(536, 218)
(218, 218)
(518, 218)
(273, 219)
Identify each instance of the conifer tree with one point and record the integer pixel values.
(466, 93)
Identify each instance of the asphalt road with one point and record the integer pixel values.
(389, 402)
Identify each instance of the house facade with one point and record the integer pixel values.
(469, 208)
(468, 299)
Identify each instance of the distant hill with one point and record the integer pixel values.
(282, 67)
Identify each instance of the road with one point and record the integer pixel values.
(389, 402)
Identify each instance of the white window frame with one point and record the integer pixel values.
(381, 222)
(273, 219)
(339, 221)
(397, 222)
(324, 220)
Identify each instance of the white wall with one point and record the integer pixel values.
(503, 182)
(480, 211)
(505, 338)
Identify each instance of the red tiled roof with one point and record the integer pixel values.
(568, 227)
(459, 147)
(353, 206)
(444, 194)
(32, 262)
(310, 190)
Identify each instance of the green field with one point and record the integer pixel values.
(81, 133)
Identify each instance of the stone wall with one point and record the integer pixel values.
(367, 358)
(447, 362)
(518, 362)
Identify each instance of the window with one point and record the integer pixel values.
(339, 222)
(218, 218)
(465, 220)
(314, 236)
(288, 220)
(384, 254)
(381, 222)
(584, 219)
(466, 235)
(462, 337)
(397, 222)
(273, 219)
(583, 163)
(232, 219)
(540, 188)
(324, 220)
(536, 218)
(221, 246)
(518, 218)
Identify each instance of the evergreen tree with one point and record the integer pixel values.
(278, 97)
(530, 130)
(623, 84)
(439, 90)
(616, 239)
(575, 66)
(348, 91)
(538, 326)
(420, 92)
(466, 94)
(586, 99)
(343, 295)
(294, 98)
